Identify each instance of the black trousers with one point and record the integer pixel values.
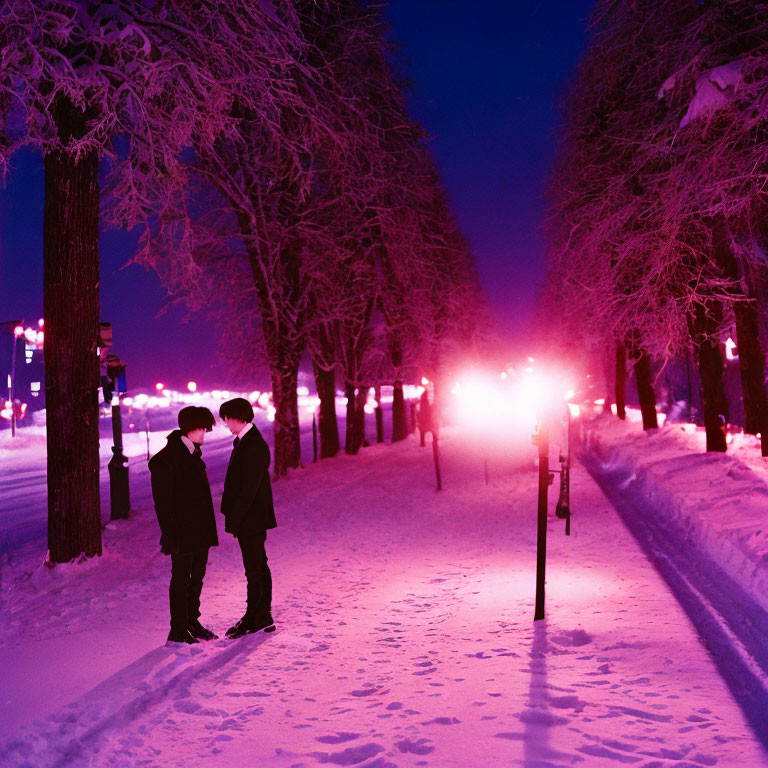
(257, 574)
(187, 574)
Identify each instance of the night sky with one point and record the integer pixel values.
(487, 79)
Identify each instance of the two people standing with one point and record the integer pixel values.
(184, 508)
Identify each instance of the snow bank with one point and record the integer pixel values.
(717, 501)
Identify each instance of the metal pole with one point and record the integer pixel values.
(314, 437)
(541, 534)
(119, 493)
(148, 456)
(12, 388)
(436, 456)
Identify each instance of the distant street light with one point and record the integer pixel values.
(192, 386)
(159, 386)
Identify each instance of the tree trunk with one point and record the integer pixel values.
(362, 399)
(706, 323)
(71, 310)
(645, 391)
(379, 417)
(621, 381)
(353, 440)
(285, 379)
(752, 369)
(399, 416)
(607, 366)
(285, 347)
(751, 354)
(327, 423)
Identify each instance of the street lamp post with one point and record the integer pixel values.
(542, 440)
(562, 509)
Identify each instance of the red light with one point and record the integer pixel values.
(159, 386)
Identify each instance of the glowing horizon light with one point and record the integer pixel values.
(192, 386)
(730, 345)
(569, 394)
(30, 334)
(599, 401)
(504, 375)
(159, 386)
(531, 360)
(302, 391)
(368, 408)
(263, 400)
(40, 337)
(254, 396)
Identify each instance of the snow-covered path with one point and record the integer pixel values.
(405, 637)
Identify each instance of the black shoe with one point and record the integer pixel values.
(196, 629)
(185, 636)
(248, 625)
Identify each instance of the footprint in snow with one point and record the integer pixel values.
(595, 750)
(541, 717)
(442, 721)
(573, 638)
(339, 738)
(567, 702)
(419, 747)
(365, 692)
(349, 756)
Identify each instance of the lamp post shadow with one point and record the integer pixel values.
(538, 718)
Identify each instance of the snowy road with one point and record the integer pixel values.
(405, 638)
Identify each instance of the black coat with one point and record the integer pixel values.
(182, 498)
(247, 499)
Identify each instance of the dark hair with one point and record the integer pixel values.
(194, 417)
(239, 409)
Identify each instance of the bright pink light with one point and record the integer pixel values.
(159, 386)
(18, 331)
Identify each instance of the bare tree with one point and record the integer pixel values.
(86, 83)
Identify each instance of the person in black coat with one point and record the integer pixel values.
(249, 512)
(184, 508)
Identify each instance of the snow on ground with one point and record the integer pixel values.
(405, 637)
